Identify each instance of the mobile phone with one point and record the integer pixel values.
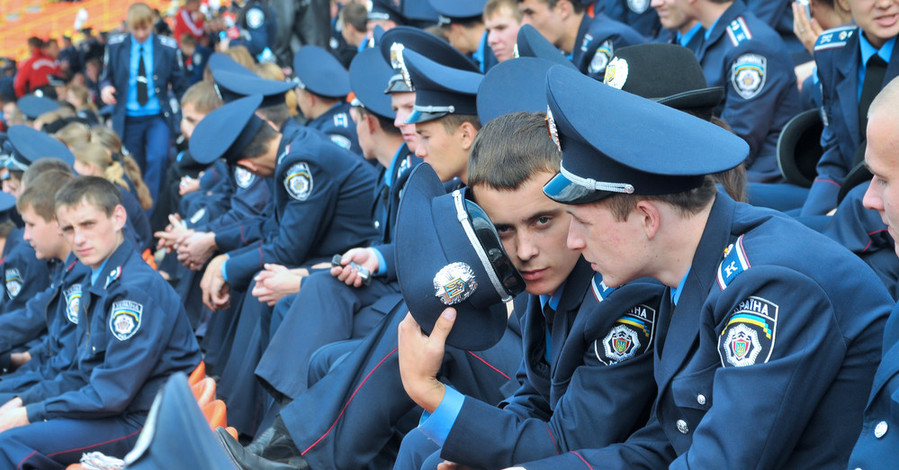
(363, 272)
(805, 6)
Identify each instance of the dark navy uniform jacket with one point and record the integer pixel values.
(597, 389)
(877, 444)
(55, 352)
(768, 356)
(387, 202)
(339, 127)
(168, 70)
(838, 56)
(257, 20)
(638, 14)
(24, 276)
(132, 335)
(596, 42)
(746, 57)
(322, 198)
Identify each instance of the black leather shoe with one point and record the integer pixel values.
(274, 443)
(243, 459)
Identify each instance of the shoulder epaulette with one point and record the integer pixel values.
(738, 31)
(113, 276)
(600, 290)
(734, 263)
(834, 38)
(116, 39)
(168, 42)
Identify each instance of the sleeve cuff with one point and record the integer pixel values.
(225, 268)
(382, 263)
(35, 412)
(437, 425)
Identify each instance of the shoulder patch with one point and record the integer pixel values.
(341, 120)
(341, 141)
(243, 178)
(834, 38)
(197, 59)
(734, 263)
(298, 181)
(748, 337)
(14, 282)
(638, 6)
(405, 164)
(168, 42)
(73, 303)
(631, 336)
(585, 44)
(112, 276)
(748, 75)
(599, 288)
(116, 39)
(738, 31)
(255, 18)
(124, 319)
(601, 58)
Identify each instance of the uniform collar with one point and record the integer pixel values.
(111, 269)
(388, 175)
(868, 50)
(684, 39)
(718, 27)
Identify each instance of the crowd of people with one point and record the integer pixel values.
(442, 234)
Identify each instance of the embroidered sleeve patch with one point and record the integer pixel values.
(748, 337)
(13, 282)
(255, 18)
(601, 58)
(298, 181)
(748, 75)
(341, 141)
(243, 177)
(73, 303)
(630, 337)
(124, 319)
(638, 6)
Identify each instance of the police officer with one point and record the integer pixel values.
(678, 28)
(854, 62)
(464, 28)
(322, 87)
(569, 326)
(637, 14)
(259, 24)
(877, 442)
(133, 334)
(745, 309)
(589, 42)
(747, 58)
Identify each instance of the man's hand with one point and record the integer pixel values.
(420, 358)
(277, 282)
(14, 403)
(107, 94)
(364, 257)
(174, 233)
(216, 292)
(805, 28)
(447, 465)
(194, 250)
(188, 185)
(13, 418)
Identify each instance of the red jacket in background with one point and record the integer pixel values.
(33, 73)
(187, 22)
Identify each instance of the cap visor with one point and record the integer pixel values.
(561, 189)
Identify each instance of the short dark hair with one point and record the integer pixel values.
(188, 39)
(451, 122)
(259, 144)
(510, 149)
(686, 203)
(35, 41)
(39, 194)
(385, 123)
(89, 189)
(278, 114)
(576, 5)
(42, 165)
(355, 15)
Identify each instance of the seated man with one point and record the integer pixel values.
(758, 332)
(572, 365)
(133, 334)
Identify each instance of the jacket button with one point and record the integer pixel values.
(377, 224)
(682, 426)
(93, 349)
(700, 399)
(881, 429)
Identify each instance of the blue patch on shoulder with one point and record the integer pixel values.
(734, 263)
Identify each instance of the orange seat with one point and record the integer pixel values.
(204, 391)
(215, 414)
(198, 374)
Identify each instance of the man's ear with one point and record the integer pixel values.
(650, 218)
(249, 164)
(467, 132)
(371, 123)
(119, 216)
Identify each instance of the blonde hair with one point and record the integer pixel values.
(107, 138)
(139, 14)
(99, 156)
(73, 133)
(52, 116)
(82, 93)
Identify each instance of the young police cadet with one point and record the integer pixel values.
(753, 329)
(132, 335)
